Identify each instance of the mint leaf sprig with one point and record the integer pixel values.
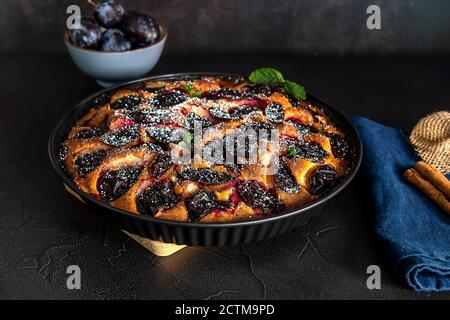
(292, 151)
(192, 91)
(271, 75)
(187, 141)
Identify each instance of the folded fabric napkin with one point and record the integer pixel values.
(414, 231)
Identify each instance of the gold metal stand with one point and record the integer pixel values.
(158, 248)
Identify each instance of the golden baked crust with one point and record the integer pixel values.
(122, 151)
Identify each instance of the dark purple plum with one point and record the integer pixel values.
(256, 125)
(285, 181)
(263, 89)
(192, 119)
(205, 176)
(234, 114)
(114, 40)
(158, 196)
(202, 203)
(121, 136)
(113, 184)
(308, 150)
(302, 129)
(89, 133)
(339, 145)
(275, 113)
(166, 134)
(168, 99)
(255, 196)
(161, 164)
(225, 93)
(151, 147)
(233, 79)
(141, 29)
(151, 116)
(323, 180)
(108, 13)
(88, 35)
(129, 102)
(84, 134)
(88, 162)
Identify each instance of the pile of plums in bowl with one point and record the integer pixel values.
(114, 44)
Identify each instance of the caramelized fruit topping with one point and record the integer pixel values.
(168, 99)
(236, 113)
(264, 89)
(202, 203)
(129, 102)
(255, 196)
(205, 176)
(121, 136)
(192, 118)
(339, 145)
(150, 116)
(158, 196)
(89, 133)
(275, 113)
(161, 164)
(302, 129)
(308, 150)
(323, 180)
(285, 181)
(88, 162)
(166, 134)
(224, 93)
(113, 184)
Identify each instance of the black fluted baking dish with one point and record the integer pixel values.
(198, 233)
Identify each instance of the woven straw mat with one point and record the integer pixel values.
(431, 140)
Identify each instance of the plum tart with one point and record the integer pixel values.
(123, 150)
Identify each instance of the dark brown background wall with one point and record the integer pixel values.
(251, 26)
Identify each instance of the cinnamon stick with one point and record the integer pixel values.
(435, 177)
(414, 177)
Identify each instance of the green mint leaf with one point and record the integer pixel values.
(189, 137)
(187, 141)
(295, 90)
(271, 75)
(188, 87)
(292, 151)
(266, 75)
(197, 94)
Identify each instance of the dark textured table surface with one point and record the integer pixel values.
(43, 229)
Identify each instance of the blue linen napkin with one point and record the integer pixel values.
(415, 233)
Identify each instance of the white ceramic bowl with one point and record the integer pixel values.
(113, 67)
